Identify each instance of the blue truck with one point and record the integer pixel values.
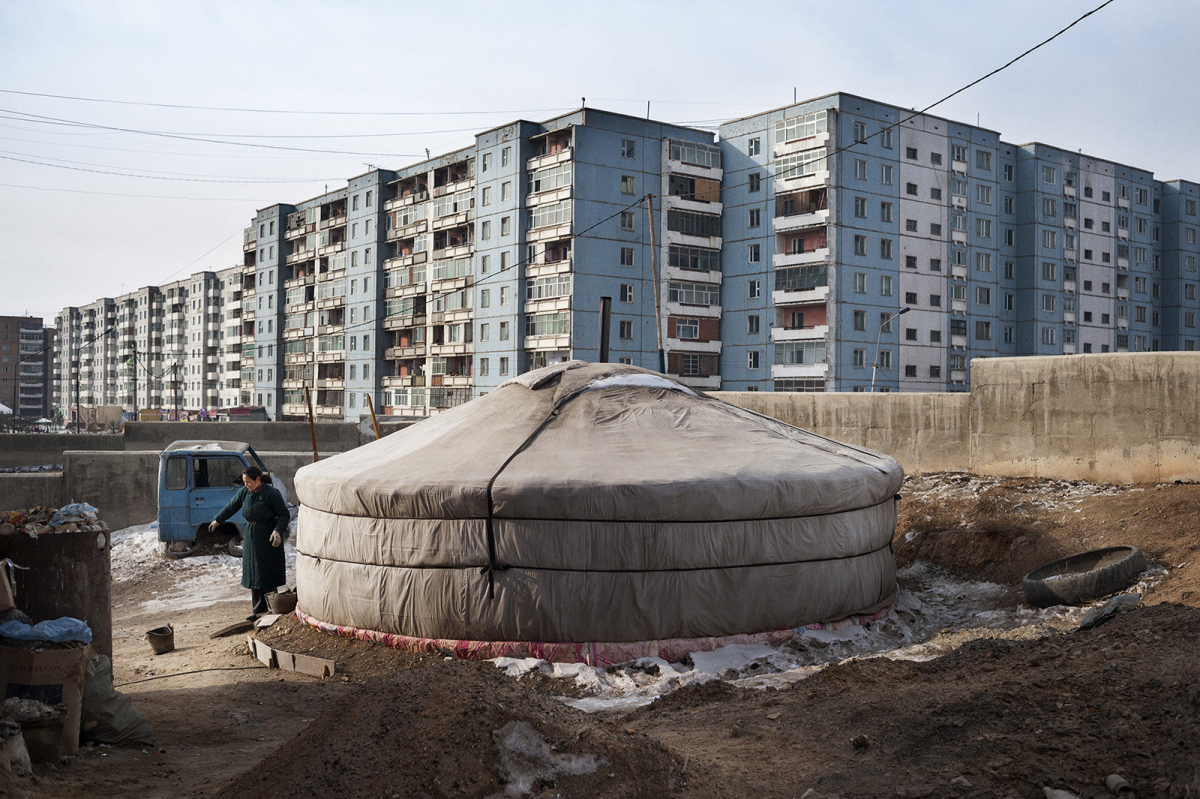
(195, 480)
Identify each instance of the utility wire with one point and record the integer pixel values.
(140, 196)
(256, 181)
(157, 172)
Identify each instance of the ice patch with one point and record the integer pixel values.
(526, 758)
(639, 381)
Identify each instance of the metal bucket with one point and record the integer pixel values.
(284, 602)
(162, 639)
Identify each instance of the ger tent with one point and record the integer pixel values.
(586, 503)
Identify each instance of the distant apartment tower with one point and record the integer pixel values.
(845, 211)
(25, 366)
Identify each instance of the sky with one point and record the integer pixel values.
(88, 212)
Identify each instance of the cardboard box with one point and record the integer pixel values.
(53, 676)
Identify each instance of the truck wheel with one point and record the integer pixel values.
(1078, 579)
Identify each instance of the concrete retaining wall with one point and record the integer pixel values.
(39, 449)
(1125, 418)
(925, 432)
(24, 491)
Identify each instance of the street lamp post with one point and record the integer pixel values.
(879, 338)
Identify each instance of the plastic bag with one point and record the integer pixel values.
(55, 630)
(75, 512)
(107, 715)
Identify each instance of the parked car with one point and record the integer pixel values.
(196, 479)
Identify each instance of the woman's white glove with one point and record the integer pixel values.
(276, 539)
(212, 526)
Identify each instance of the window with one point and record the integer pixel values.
(1189, 207)
(885, 174)
(910, 334)
(958, 186)
(910, 370)
(885, 249)
(1049, 174)
(860, 359)
(935, 264)
(1010, 237)
(983, 331)
(958, 327)
(505, 190)
(983, 228)
(910, 262)
(885, 359)
(504, 295)
(860, 169)
(860, 245)
(752, 324)
(911, 188)
(505, 225)
(885, 138)
(504, 331)
(627, 220)
(1048, 335)
(1048, 303)
(753, 147)
(1008, 302)
(353, 203)
(983, 194)
(983, 160)
(628, 185)
(485, 331)
(1189, 235)
(860, 320)
(910, 298)
(1106, 196)
(625, 327)
(910, 225)
(1008, 172)
(910, 153)
(935, 158)
(983, 295)
(753, 253)
(885, 212)
(752, 359)
(958, 152)
(860, 207)
(1050, 239)
(626, 256)
(628, 148)
(885, 322)
(885, 285)
(935, 194)
(860, 131)
(486, 164)
(485, 229)
(503, 367)
(486, 196)
(1049, 207)
(935, 229)
(755, 217)
(754, 182)
(935, 337)
(753, 289)
(1189, 292)
(485, 263)
(626, 292)
(1049, 271)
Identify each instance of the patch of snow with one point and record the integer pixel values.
(639, 381)
(526, 758)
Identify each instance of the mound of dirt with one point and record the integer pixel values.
(460, 729)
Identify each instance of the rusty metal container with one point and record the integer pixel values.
(68, 574)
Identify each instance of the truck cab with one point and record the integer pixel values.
(196, 479)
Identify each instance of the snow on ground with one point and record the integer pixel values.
(200, 580)
(1049, 494)
(933, 616)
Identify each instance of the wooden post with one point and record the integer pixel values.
(662, 360)
(374, 421)
(312, 427)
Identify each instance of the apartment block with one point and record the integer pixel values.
(835, 244)
(25, 366)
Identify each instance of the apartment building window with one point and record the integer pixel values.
(885, 212)
(483, 367)
(935, 158)
(1189, 207)
(627, 220)
(625, 329)
(1008, 172)
(626, 292)
(885, 138)
(885, 249)
(1049, 207)
(860, 320)
(1008, 302)
(505, 225)
(860, 282)
(504, 156)
(504, 331)
(1139, 285)
(910, 225)
(935, 264)
(1050, 175)
(1048, 335)
(628, 185)
(860, 207)
(935, 337)
(860, 359)
(754, 182)
(752, 324)
(860, 245)
(1139, 313)
(983, 331)
(628, 148)
(753, 146)
(885, 322)
(885, 359)
(885, 285)
(983, 228)
(755, 217)
(505, 190)
(910, 262)
(1189, 235)
(910, 370)
(910, 153)
(1050, 239)
(860, 131)
(910, 334)
(1010, 205)
(935, 194)
(485, 263)
(911, 188)
(485, 229)
(935, 229)
(504, 295)
(1189, 291)
(860, 169)
(1010, 237)
(753, 289)
(983, 295)
(885, 174)
(983, 160)
(958, 152)
(983, 194)
(485, 331)
(486, 196)
(1189, 263)
(753, 253)
(503, 367)
(626, 256)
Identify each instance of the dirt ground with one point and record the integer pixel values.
(1004, 714)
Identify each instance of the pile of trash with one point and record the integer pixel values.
(71, 518)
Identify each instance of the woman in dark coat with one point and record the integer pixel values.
(263, 565)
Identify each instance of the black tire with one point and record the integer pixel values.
(1081, 578)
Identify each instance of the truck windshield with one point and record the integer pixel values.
(176, 474)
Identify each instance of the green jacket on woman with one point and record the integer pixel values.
(263, 566)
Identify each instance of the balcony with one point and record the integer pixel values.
(799, 333)
(338, 220)
(332, 411)
(801, 258)
(786, 370)
(331, 382)
(401, 322)
(331, 356)
(403, 381)
(410, 230)
(406, 200)
(550, 159)
(411, 351)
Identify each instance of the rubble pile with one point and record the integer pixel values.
(71, 518)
